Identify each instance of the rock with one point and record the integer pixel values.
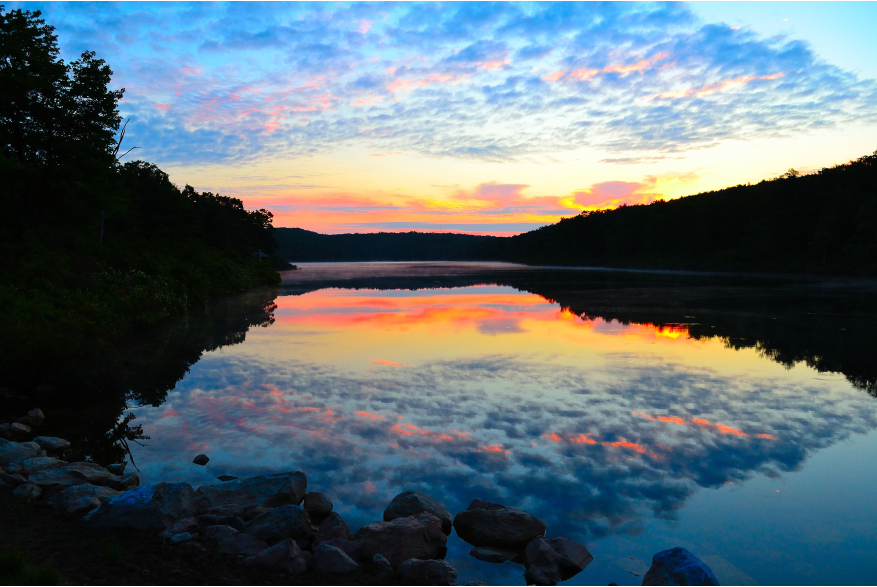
(181, 537)
(152, 507)
(426, 572)
(225, 510)
(116, 468)
(42, 453)
(78, 500)
(126, 481)
(419, 536)
(219, 533)
(254, 511)
(677, 566)
(480, 504)
(27, 492)
(225, 478)
(51, 443)
(333, 527)
(543, 564)
(238, 544)
(493, 555)
(381, 563)
(285, 556)
(73, 474)
(12, 479)
(233, 521)
(352, 547)
(15, 452)
(309, 559)
(18, 429)
(35, 464)
(574, 557)
(4, 432)
(4, 485)
(36, 416)
(287, 521)
(189, 525)
(265, 490)
(483, 584)
(331, 559)
(409, 503)
(318, 506)
(201, 460)
(497, 525)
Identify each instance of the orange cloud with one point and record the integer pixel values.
(712, 88)
(585, 74)
(387, 363)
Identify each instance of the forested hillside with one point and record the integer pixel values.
(91, 247)
(825, 222)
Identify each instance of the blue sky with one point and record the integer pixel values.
(493, 117)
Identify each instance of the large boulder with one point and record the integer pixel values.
(409, 503)
(285, 557)
(78, 500)
(12, 453)
(318, 506)
(418, 536)
(265, 490)
(426, 572)
(333, 527)
(52, 443)
(330, 559)
(152, 507)
(352, 547)
(35, 464)
(550, 561)
(287, 521)
(186, 525)
(677, 566)
(497, 526)
(73, 474)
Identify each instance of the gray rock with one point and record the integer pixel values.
(27, 492)
(153, 507)
(317, 505)
(419, 536)
(78, 500)
(116, 468)
(35, 464)
(18, 429)
(219, 533)
(42, 453)
(73, 474)
(225, 510)
(225, 478)
(352, 547)
(36, 416)
(381, 563)
(574, 557)
(181, 537)
(493, 555)
(285, 557)
(542, 562)
(266, 490)
(677, 566)
(238, 544)
(126, 481)
(333, 527)
(426, 572)
(189, 525)
(331, 559)
(409, 503)
(497, 526)
(12, 479)
(201, 460)
(52, 443)
(233, 521)
(255, 511)
(15, 452)
(287, 521)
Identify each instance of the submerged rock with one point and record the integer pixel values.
(285, 557)
(333, 527)
(488, 524)
(419, 536)
(78, 500)
(288, 521)
(265, 490)
(426, 572)
(677, 566)
(331, 559)
(409, 503)
(152, 507)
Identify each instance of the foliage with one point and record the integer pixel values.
(90, 248)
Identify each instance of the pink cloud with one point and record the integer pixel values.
(611, 194)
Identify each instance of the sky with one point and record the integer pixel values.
(485, 118)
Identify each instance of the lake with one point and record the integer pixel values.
(732, 415)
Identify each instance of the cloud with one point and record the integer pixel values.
(237, 83)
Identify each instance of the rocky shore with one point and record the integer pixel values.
(271, 526)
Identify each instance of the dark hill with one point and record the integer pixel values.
(296, 244)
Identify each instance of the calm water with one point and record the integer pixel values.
(633, 414)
